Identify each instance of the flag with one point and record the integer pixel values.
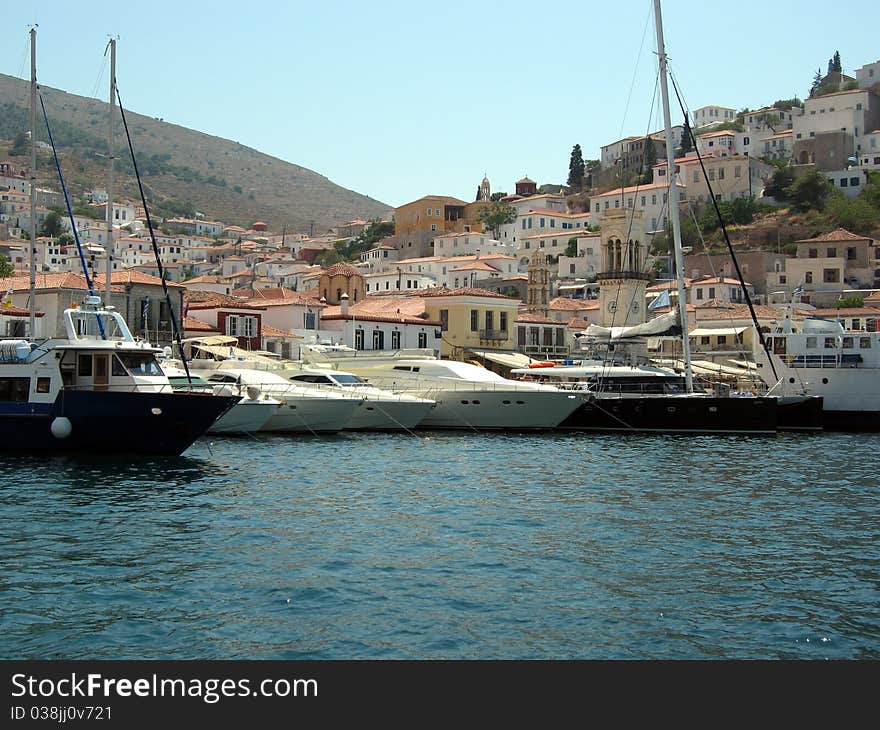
(797, 292)
(7, 300)
(185, 308)
(661, 301)
(146, 309)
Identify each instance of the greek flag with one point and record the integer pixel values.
(146, 309)
(800, 290)
(660, 301)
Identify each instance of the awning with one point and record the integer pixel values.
(712, 331)
(508, 359)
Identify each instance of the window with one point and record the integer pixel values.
(811, 343)
(436, 212)
(84, 366)
(832, 253)
(843, 184)
(696, 179)
(712, 174)
(502, 323)
(358, 339)
(18, 389)
(808, 277)
(423, 339)
(395, 339)
(704, 340)
(378, 340)
(309, 319)
(570, 269)
(856, 324)
(783, 279)
(812, 253)
(552, 225)
(433, 228)
(830, 276)
(474, 320)
(711, 292)
(720, 177)
(853, 183)
(490, 317)
(722, 339)
(429, 213)
(250, 326)
(847, 343)
(737, 172)
(542, 225)
(699, 292)
(444, 320)
(830, 343)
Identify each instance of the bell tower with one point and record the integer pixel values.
(485, 190)
(623, 279)
(539, 285)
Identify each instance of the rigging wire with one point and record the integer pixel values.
(635, 71)
(159, 266)
(100, 77)
(82, 258)
(736, 265)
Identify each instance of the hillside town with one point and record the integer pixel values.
(506, 274)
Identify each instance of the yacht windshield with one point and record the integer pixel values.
(140, 363)
(346, 379)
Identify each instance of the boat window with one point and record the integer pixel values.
(830, 343)
(404, 368)
(43, 385)
(865, 343)
(811, 343)
(778, 345)
(348, 379)
(15, 389)
(117, 368)
(140, 363)
(847, 343)
(84, 368)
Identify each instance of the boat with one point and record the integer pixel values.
(253, 409)
(302, 410)
(648, 398)
(467, 396)
(96, 389)
(825, 359)
(379, 410)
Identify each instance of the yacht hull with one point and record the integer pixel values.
(244, 417)
(499, 410)
(112, 422)
(388, 415)
(311, 415)
(675, 414)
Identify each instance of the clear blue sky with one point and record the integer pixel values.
(402, 99)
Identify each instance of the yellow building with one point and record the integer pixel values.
(432, 213)
(472, 319)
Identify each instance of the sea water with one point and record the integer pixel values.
(447, 545)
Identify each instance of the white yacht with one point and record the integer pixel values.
(303, 409)
(823, 358)
(380, 410)
(249, 415)
(467, 396)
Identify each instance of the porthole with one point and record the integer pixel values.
(506, 402)
(824, 381)
(476, 402)
(712, 409)
(156, 411)
(464, 402)
(670, 409)
(520, 402)
(791, 380)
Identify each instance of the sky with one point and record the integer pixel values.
(397, 100)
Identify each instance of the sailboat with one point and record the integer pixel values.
(626, 397)
(96, 389)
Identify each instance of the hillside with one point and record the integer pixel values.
(221, 178)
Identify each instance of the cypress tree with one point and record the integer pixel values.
(576, 169)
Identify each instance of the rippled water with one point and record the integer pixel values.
(452, 546)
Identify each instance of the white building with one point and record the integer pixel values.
(717, 289)
(466, 244)
(651, 199)
(868, 75)
(856, 113)
(711, 114)
(394, 281)
(442, 269)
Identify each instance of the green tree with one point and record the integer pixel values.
(771, 120)
(497, 196)
(851, 303)
(6, 268)
(51, 225)
(571, 250)
(479, 193)
(328, 258)
(855, 214)
(686, 142)
(19, 145)
(810, 191)
(496, 215)
(817, 82)
(576, 169)
(834, 65)
(787, 104)
(780, 182)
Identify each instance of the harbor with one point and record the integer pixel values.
(451, 545)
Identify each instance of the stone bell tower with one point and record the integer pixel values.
(539, 285)
(623, 279)
(485, 190)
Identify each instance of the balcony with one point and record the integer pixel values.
(493, 335)
(555, 350)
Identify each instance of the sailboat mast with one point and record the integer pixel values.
(672, 202)
(109, 245)
(33, 241)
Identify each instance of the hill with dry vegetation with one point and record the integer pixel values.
(221, 178)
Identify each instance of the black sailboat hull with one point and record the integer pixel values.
(112, 422)
(851, 420)
(675, 414)
(800, 413)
